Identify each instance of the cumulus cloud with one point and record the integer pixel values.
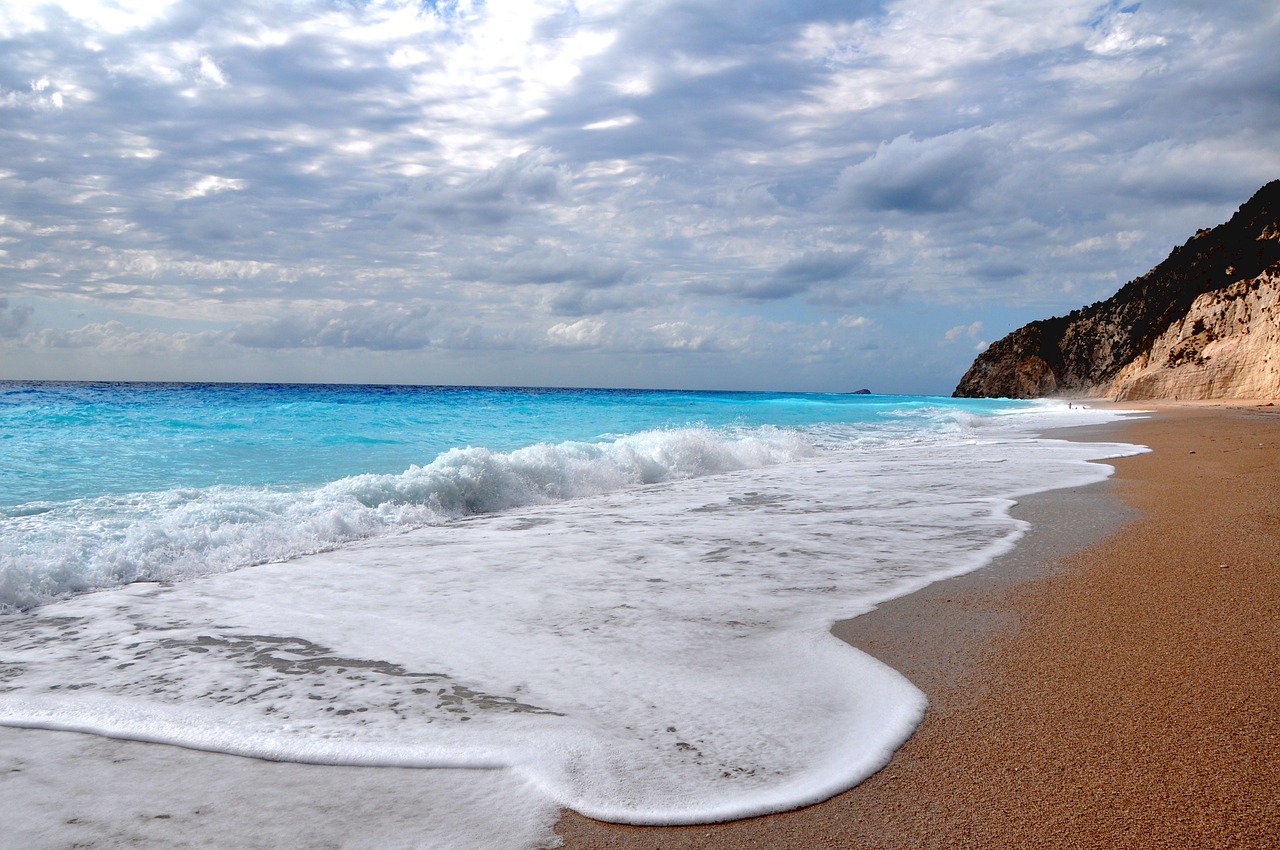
(912, 175)
(584, 333)
(971, 330)
(683, 336)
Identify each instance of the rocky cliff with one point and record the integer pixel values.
(1205, 323)
(1227, 346)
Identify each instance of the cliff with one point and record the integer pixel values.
(1202, 324)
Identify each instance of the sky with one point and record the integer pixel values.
(792, 195)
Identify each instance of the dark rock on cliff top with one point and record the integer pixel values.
(1081, 353)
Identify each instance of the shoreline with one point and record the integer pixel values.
(998, 651)
(932, 632)
(1076, 684)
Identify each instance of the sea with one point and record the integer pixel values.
(612, 601)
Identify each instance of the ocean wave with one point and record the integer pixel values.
(62, 549)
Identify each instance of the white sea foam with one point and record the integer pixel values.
(648, 654)
(62, 549)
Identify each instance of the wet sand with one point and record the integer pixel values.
(1114, 682)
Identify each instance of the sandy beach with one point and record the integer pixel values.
(1111, 683)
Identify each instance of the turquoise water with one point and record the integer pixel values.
(106, 484)
(71, 441)
(613, 601)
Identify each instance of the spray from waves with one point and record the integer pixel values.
(53, 550)
(926, 420)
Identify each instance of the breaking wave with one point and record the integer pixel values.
(52, 550)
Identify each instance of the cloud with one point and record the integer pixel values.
(481, 339)
(819, 266)
(13, 319)
(1165, 171)
(716, 188)
(208, 184)
(544, 265)
(579, 301)
(584, 333)
(1114, 33)
(932, 175)
(117, 338)
(868, 289)
(802, 273)
(514, 187)
(371, 327)
(683, 336)
(997, 269)
(41, 95)
(972, 330)
(210, 74)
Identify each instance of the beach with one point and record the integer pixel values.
(1108, 683)
(1122, 694)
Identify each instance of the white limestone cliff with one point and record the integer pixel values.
(1226, 346)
